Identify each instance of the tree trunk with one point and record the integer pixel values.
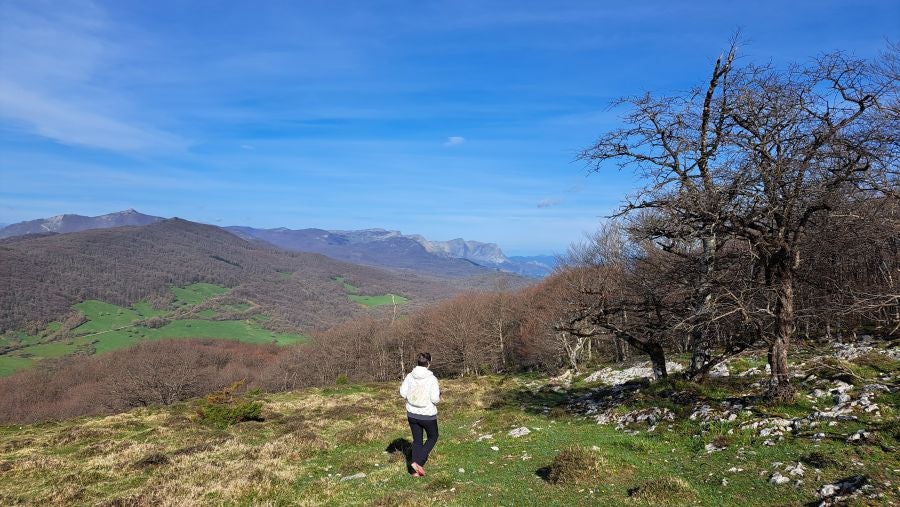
(780, 383)
(657, 360)
(701, 353)
(701, 349)
(654, 350)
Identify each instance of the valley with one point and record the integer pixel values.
(198, 310)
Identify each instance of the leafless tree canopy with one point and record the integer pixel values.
(742, 174)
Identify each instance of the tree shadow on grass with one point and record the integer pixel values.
(674, 393)
(402, 447)
(575, 401)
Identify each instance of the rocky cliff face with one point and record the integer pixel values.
(393, 249)
(483, 253)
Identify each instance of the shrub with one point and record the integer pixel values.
(342, 379)
(152, 460)
(223, 408)
(156, 322)
(222, 415)
(667, 490)
(576, 465)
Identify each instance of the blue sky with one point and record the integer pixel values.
(447, 119)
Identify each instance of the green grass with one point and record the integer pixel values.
(309, 439)
(197, 293)
(245, 331)
(10, 364)
(104, 316)
(110, 327)
(353, 293)
(376, 301)
(348, 287)
(145, 310)
(48, 350)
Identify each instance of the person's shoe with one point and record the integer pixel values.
(417, 474)
(419, 470)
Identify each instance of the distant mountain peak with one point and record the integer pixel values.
(74, 223)
(393, 249)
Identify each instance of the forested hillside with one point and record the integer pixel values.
(43, 276)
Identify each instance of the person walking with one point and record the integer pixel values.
(421, 391)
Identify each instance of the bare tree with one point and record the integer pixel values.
(621, 289)
(680, 145)
(809, 138)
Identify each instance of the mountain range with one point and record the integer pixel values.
(371, 247)
(43, 275)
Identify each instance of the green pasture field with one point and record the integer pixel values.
(111, 327)
(353, 293)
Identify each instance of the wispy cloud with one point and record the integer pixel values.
(70, 123)
(548, 203)
(454, 141)
(57, 59)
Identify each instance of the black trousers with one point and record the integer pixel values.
(420, 451)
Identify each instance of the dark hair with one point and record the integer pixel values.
(423, 359)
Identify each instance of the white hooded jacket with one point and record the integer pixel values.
(420, 390)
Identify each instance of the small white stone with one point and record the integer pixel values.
(828, 490)
(462, 470)
(519, 432)
(778, 479)
(495, 448)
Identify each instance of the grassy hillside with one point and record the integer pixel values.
(110, 327)
(641, 444)
(353, 293)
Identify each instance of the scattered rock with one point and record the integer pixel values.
(519, 432)
(797, 470)
(841, 492)
(778, 479)
(859, 436)
(359, 475)
(711, 448)
(719, 370)
(616, 377)
(563, 380)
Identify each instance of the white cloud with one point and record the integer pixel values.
(548, 203)
(454, 141)
(57, 60)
